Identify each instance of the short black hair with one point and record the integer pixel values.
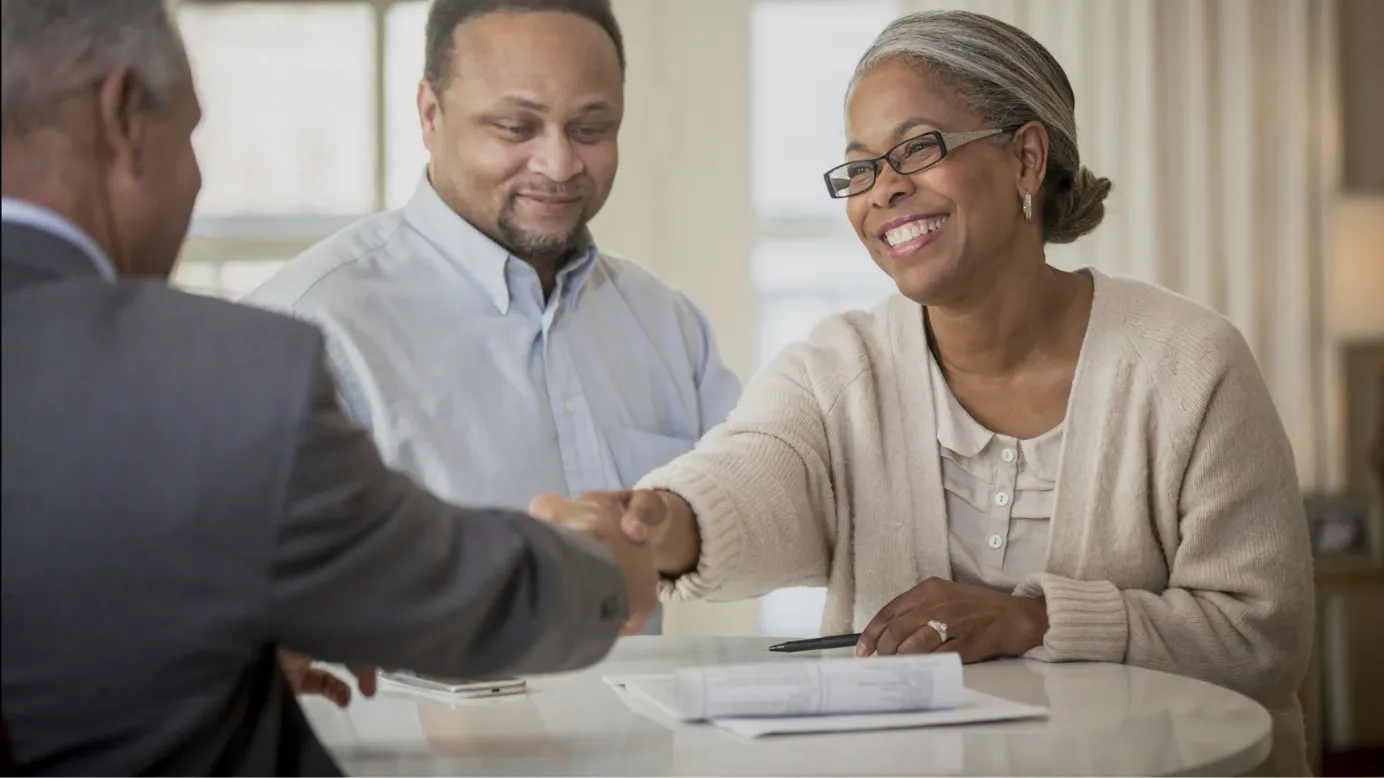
(446, 15)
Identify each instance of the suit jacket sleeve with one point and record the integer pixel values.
(368, 568)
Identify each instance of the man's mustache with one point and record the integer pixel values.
(551, 191)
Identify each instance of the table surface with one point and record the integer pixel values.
(1103, 720)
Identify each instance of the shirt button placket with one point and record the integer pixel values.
(1002, 510)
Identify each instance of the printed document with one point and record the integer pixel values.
(824, 695)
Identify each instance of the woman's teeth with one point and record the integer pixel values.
(906, 232)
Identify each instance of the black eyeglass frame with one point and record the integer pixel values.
(947, 142)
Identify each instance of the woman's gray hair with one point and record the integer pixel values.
(1009, 79)
(51, 47)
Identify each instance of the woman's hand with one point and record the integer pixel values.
(980, 623)
(663, 520)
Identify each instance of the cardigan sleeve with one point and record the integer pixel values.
(1238, 608)
(760, 488)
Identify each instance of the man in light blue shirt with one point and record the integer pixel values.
(483, 390)
(492, 349)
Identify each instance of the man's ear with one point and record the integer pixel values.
(123, 104)
(429, 112)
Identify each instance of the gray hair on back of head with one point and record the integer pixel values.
(1009, 79)
(51, 47)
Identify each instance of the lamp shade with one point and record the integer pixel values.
(1355, 305)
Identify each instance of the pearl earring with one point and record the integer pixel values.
(1028, 206)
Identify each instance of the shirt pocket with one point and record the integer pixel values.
(637, 453)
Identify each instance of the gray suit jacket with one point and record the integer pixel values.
(182, 495)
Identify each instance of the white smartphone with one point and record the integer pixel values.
(494, 687)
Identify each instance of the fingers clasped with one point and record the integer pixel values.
(606, 516)
(641, 515)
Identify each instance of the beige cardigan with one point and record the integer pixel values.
(1178, 538)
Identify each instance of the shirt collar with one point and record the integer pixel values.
(960, 433)
(1043, 454)
(15, 211)
(956, 430)
(477, 254)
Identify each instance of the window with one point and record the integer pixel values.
(309, 123)
(230, 279)
(803, 54)
(405, 156)
(261, 152)
(800, 281)
(807, 262)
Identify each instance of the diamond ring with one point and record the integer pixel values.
(940, 628)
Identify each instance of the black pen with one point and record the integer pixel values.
(817, 644)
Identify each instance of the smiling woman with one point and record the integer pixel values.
(1005, 458)
(922, 95)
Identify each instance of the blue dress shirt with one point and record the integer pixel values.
(471, 382)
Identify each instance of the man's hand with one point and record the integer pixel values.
(601, 520)
(980, 623)
(306, 679)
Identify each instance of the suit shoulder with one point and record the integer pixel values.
(172, 316)
(214, 311)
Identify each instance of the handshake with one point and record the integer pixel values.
(649, 532)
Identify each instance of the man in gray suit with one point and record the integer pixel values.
(182, 497)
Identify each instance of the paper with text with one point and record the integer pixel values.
(817, 687)
(656, 695)
(974, 708)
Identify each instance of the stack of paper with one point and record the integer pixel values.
(825, 695)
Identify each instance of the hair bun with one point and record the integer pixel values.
(1075, 210)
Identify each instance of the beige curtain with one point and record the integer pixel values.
(1209, 116)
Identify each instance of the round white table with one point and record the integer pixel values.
(1102, 720)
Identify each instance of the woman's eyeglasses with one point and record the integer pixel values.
(917, 153)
